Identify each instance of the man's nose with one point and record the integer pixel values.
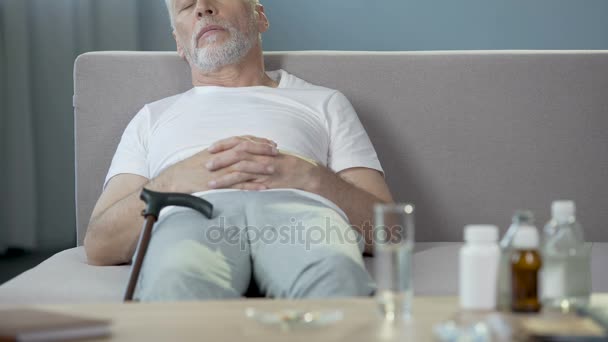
(205, 8)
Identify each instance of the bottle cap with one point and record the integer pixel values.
(480, 233)
(523, 217)
(526, 237)
(563, 210)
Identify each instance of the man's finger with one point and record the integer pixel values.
(228, 143)
(254, 167)
(257, 148)
(258, 139)
(230, 179)
(241, 153)
(224, 144)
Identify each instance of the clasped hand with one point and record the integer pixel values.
(252, 163)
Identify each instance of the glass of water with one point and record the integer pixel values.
(393, 248)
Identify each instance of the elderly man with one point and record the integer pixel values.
(288, 166)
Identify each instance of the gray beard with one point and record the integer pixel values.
(212, 58)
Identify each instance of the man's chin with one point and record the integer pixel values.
(213, 58)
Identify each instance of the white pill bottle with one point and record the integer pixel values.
(478, 272)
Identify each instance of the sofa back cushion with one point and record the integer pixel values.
(465, 136)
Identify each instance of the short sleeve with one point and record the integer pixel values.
(132, 153)
(349, 145)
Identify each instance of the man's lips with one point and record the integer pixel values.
(210, 28)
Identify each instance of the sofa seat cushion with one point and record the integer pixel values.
(67, 278)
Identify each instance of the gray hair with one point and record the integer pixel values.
(169, 4)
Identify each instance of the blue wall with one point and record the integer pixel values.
(436, 24)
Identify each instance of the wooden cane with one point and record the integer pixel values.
(142, 248)
(155, 201)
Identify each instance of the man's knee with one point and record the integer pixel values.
(332, 275)
(187, 271)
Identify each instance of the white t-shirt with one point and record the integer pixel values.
(309, 120)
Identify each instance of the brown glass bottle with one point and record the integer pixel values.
(525, 264)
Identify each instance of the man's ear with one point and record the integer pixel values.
(180, 48)
(263, 23)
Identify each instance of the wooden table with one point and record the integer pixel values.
(226, 320)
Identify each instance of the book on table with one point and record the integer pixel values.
(37, 325)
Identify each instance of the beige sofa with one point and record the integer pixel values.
(466, 136)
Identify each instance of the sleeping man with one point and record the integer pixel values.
(287, 165)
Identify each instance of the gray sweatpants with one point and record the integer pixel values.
(290, 245)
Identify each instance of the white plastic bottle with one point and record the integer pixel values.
(479, 259)
(566, 274)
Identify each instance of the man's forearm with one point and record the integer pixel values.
(357, 203)
(112, 236)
